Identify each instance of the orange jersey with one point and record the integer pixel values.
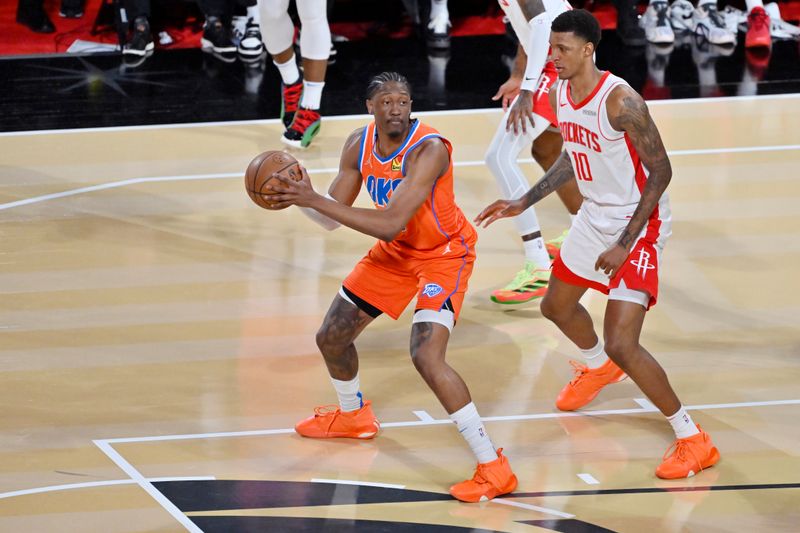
(438, 227)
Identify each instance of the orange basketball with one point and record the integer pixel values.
(259, 174)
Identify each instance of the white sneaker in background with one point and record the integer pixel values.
(656, 25)
(779, 28)
(680, 16)
(709, 23)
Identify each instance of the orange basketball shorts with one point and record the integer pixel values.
(389, 276)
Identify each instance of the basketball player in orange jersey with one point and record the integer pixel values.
(529, 121)
(614, 151)
(426, 250)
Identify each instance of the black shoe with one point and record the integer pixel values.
(142, 40)
(71, 9)
(32, 15)
(217, 36)
(628, 27)
(251, 44)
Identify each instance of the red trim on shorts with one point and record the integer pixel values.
(563, 273)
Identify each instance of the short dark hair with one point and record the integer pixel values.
(379, 80)
(581, 23)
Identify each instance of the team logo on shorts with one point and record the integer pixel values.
(431, 289)
(643, 264)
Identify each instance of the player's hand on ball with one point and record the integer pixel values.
(499, 209)
(290, 192)
(612, 259)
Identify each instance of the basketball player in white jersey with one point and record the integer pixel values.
(529, 120)
(614, 151)
(301, 94)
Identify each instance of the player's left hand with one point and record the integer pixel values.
(290, 192)
(521, 113)
(612, 259)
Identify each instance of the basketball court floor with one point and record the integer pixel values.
(158, 344)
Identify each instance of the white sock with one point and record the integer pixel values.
(437, 7)
(535, 251)
(312, 94)
(753, 3)
(289, 71)
(254, 13)
(682, 424)
(471, 428)
(595, 357)
(347, 391)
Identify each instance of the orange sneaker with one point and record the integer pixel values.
(490, 480)
(689, 457)
(586, 384)
(330, 422)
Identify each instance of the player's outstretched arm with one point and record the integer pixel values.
(560, 173)
(628, 112)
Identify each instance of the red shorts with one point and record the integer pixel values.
(541, 100)
(389, 277)
(639, 272)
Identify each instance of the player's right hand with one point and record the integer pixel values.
(508, 91)
(520, 113)
(499, 209)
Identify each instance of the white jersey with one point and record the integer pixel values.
(608, 170)
(520, 24)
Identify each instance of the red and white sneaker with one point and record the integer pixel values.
(331, 422)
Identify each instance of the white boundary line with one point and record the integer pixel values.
(415, 423)
(90, 484)
(424, 416)
(646, 404)
(330, 170)
(545, 510)
(105, 446)
(364, 116)
(357, 483)
(147, 486)
(588, 479)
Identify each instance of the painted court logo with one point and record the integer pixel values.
(431, 289)
(643, 264)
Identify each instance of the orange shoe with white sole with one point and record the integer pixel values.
(689, 456)
(587, 384)
(489, 481)
(331, 422)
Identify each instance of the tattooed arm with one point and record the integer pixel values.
(560, 173)
(628, 112)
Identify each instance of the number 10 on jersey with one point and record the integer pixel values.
(581, 163)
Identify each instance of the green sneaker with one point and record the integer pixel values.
(553, 246)
(529, 283)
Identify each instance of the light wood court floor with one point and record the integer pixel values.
(158, 345)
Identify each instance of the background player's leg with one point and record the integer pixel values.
(277, 30)
(501, 158)
(428, 348)
(562, 306)
(315, 48)
(622, 327)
